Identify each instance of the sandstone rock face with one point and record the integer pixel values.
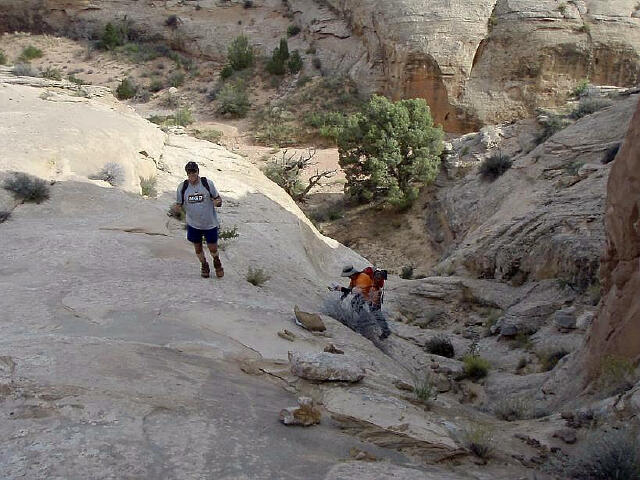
(474, 61)
(325, 367)
(615, 330)
(484, 61)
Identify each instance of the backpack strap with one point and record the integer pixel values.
(205, 184)
(185, 184)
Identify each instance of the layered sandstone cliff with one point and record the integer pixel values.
(617, 328)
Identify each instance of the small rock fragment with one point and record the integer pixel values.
(402, 385)
(331, 348)
(567, 435)
(358, 454)
(325, 367)
(305, 414)
(287, 335)
(310, 321)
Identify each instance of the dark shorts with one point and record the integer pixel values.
(195, 235)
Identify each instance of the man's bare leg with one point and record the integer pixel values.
(204, 271)
(217, 264)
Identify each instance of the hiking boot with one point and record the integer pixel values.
(217, 264)
(204, 270)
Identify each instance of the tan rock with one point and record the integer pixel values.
(325, 367)
(311, 321)
(305, 414)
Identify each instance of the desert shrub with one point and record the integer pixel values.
(551, 358)
(407, 272)
(494, 166)
(553, 125)
(389, 149)
(581, 88)
(316, 62)
(257, 276)
(27, 188)
(148, 186)
(475, 367)
(183, 117)
(424, 388)
(229, 233)
(3, 58)
(156, 85)
(247, 3)
(112, 173)
(479, 440)
(24, 70)
(233, 99)
(293, 30)
(178, 214)
(127, 89)
(240, 53)
(211, 135)
(226, 72)
(30, 53)
(76, 80)
(295, 62)
(277, 64)
(176, 79)
(606, 456)
(514, 408)
(357, 317)
(172, 21)
(522, 340)
(440, 345)
(493, 315)
(587, 106)
(616, 375)
(112, 37)
(610, 154)
(170, 100)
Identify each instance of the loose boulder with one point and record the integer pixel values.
(325, 367)
(310, 321)
(305, 414)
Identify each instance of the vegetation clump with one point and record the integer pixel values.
(475, 367)
(30, 53)
(126, 89)
(27, 188)
(240, 53)
(424, 388)
(388, 149)
(610, 455)
(233, 99)
(587, 106)
(148, 186)
(257, 276)
(112, 173)
(479, 440)
(494, 166)
(440, 345)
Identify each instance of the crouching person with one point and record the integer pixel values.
(199, 198)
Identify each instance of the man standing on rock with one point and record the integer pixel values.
(199, 197)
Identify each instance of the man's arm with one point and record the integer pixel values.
(217, 201)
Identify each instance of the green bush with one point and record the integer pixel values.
(183, 117)
(76, 80)
(240, 53)
(226, 72)
(27, 188)
(156, 85)
(494, 166)
(30, 53)
(52, 73)
(475, 367)
(295, 62)
(257, 276)
(440, 345)
(233, 99)
(553, 125)
(511, 409)
(112, 37)
(479, 440)
(388, 149)
(581, 88)
(407, 272)
(127, 89)
(610, 455)
(211, 135)
(424, 388)
(278, 63)
(293, 30)
(229, 233)
(3, 58)
(148, 186)
(176, 79)
(587, 106)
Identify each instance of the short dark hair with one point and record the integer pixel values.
(191, 167)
